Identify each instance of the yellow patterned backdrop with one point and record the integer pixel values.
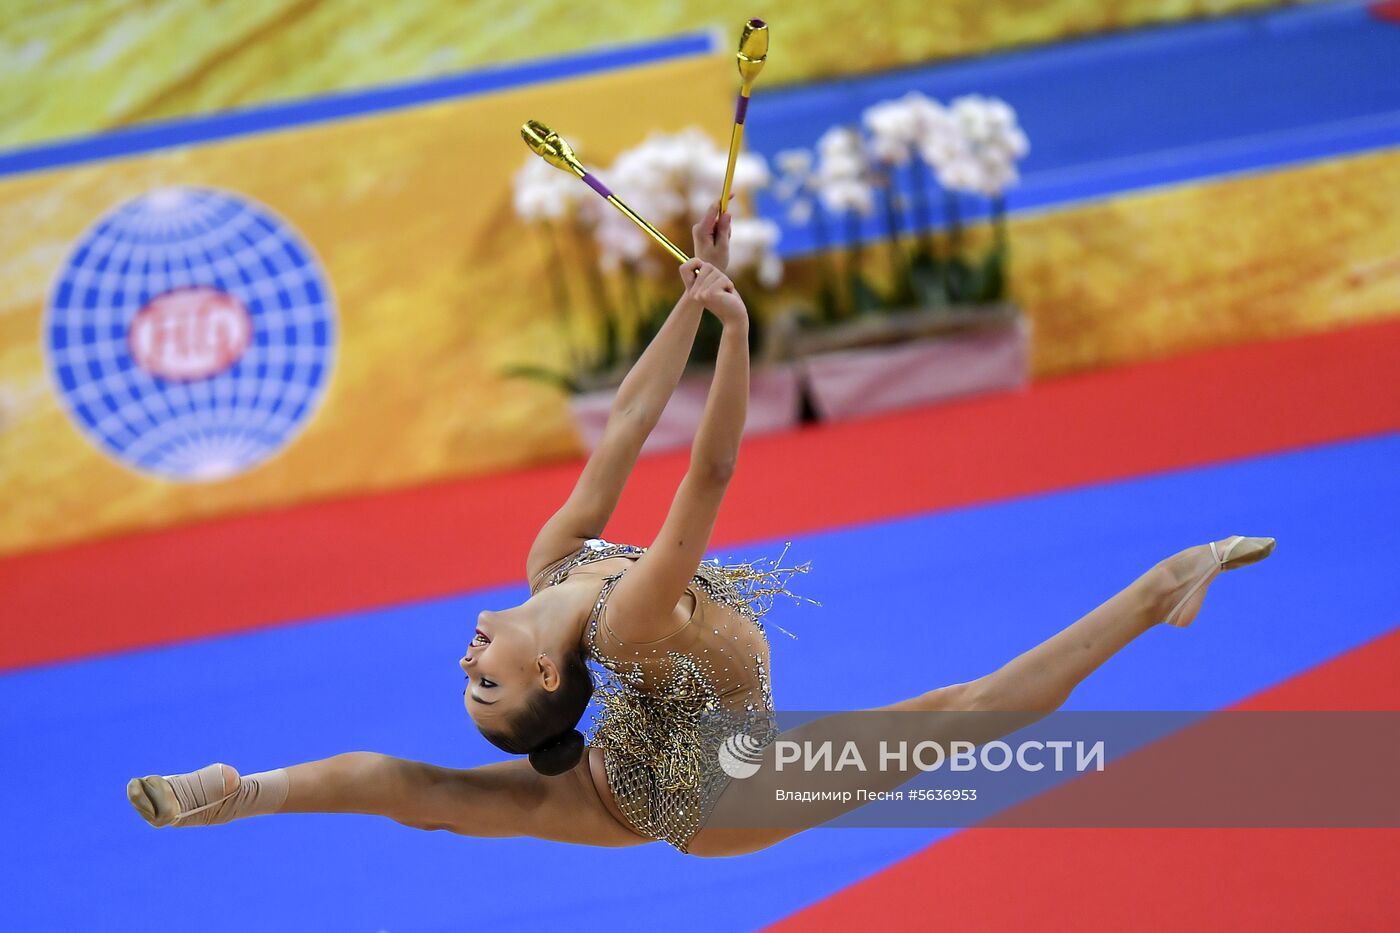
(438, 286)
(435, 302)
(67, 69)
(435, 281)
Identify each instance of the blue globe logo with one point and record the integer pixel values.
(191, 333)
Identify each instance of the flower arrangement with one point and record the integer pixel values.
(933, 326)
(621, 288)
(969, 148)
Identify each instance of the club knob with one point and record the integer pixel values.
(551, 147)
(753, 49)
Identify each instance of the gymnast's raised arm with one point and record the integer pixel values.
(641, 606)
(636, 409)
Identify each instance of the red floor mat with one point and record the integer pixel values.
(270, 567)
(1388, 12)
(1153, 879)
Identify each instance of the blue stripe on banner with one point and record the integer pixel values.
(156, 136)
(1130, 111)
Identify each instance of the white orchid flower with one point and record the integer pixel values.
(800, 211)
(940, 139)
(992, 143)
(838, 140)
(787, 188)
(770, 271)
(751, 172)
(1015, 142)
(894, 130)
(930, 118)
(961, 174)
(794, 162)
(972, 116)
(842, 178)
(847, 195)
(842, 165)
(671, 178)
(751, 239)
(996, 177)
(538, 194)
(619, 241)
(889, 150)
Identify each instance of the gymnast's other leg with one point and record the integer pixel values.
(1022, 691)
(504, 799)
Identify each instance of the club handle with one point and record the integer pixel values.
(736, 142)
(637, 219)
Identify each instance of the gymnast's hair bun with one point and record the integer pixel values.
(559, 754)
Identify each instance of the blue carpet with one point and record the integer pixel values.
(924, 600)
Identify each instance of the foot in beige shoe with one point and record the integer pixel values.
(1193, 569)
(213, 794)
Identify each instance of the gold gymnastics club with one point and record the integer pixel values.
(753, 52)
(551, 147)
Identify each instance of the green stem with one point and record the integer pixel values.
(606, 315)
(822, 234)
(892, 224)
(634, 297)
(554, 263)
(923, 216)
(854, 257)
(954, 213)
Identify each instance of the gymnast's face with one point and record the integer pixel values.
(505, 663)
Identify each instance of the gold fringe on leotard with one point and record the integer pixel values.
(663, 714)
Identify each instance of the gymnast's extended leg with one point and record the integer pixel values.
(1030, 686)
(504, 799)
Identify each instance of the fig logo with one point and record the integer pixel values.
(190, 333)
(740, 756)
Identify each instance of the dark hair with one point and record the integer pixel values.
(545, 728)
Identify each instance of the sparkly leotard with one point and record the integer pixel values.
(666, 705)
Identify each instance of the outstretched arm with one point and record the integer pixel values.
(636, 409)
(642, 603)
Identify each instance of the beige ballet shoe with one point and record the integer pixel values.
(213, 794)
(1233, 552)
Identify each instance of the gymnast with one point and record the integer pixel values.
(679, 652)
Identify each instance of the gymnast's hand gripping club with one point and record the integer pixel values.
(551, 147)
(753, 52)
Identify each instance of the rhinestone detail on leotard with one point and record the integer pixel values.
(665, 706)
